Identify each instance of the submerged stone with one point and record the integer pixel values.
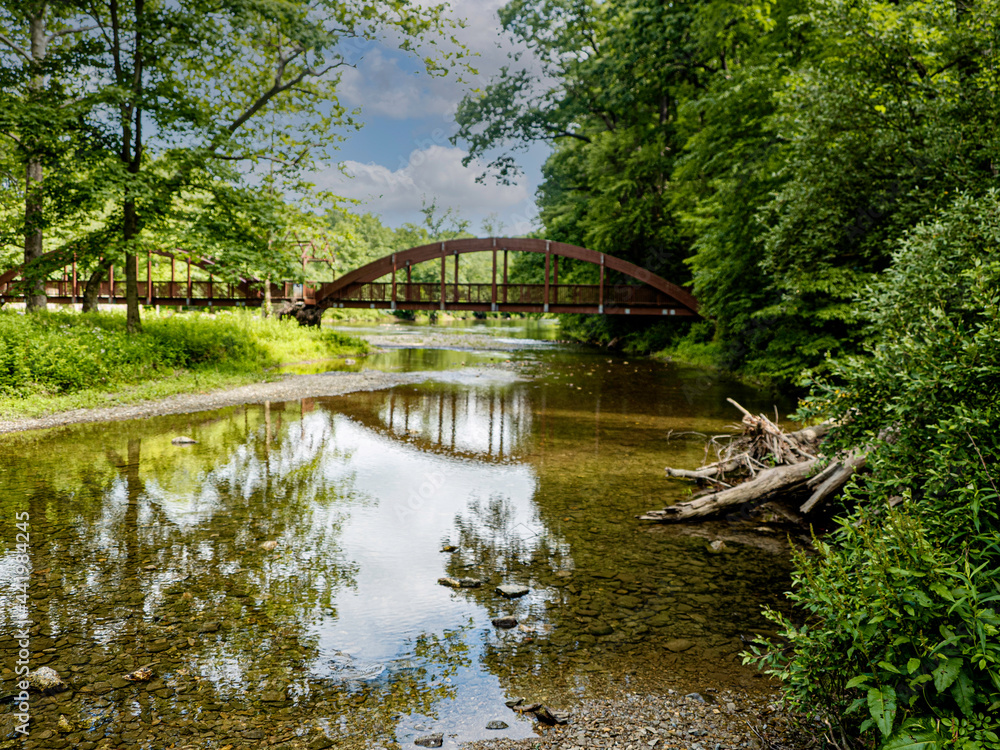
(183, 440)
(512, 590)
(497, 725)
(430, 740)
(46, 680)
(506, 623)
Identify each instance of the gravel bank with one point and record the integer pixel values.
(710, 721)
(288, 389)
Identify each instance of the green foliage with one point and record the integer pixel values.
(770, 153)
(898, 640)
(59, 353)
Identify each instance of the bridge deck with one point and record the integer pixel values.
(619, 299)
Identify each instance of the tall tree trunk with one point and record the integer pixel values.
(34, 207)
(92, 290)
(132, 156)
(265, 309)
(133, 323)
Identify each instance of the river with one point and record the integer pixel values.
(281, 574)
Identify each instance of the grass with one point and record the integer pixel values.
(56, 361)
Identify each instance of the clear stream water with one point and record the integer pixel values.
(532, 461)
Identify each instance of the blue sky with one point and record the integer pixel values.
(403, 155)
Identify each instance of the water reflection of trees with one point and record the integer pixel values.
(147, 552)
(492, 422)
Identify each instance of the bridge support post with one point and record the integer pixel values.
(505, 275)
(74, 277)
(600, 293)
(189, 283)
(548, 260)
(393, 305)
(455, 291)
(149, 277)
(493, 294)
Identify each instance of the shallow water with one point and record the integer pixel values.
(143, 551)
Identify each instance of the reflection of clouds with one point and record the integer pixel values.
(396, 542)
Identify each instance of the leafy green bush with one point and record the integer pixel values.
(899, 643)
(60, 352)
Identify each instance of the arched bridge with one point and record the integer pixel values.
(387, 284)
(654, 295)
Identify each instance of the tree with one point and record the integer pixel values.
(43, 54)
(179, 92)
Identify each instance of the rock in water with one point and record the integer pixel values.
(505, 622)
(512, 590)
(513, 702)
(497, 725)
(139, 675)
(431, 740)
(470, 583)
(268, 545)
(46, 680)
(451, 582)
(449, 548)
(183, 441)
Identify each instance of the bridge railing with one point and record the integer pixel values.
(517, 294)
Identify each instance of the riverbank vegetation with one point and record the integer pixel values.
(53, 361)
(897, 635)
(769, 154)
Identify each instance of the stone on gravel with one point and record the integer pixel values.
(450, 582)
(513, 702)
(470, 583)
(697, 697)
(506, 623)
(512, 590)
(547, 716)
(431, 740)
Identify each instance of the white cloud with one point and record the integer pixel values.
(382, 84)
(431, 173)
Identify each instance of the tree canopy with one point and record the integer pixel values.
(766, 153)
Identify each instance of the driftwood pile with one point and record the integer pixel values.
(763, 464)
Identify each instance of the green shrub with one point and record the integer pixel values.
(897, 639)
(56, 353)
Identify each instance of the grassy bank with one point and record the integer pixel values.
(60, 360)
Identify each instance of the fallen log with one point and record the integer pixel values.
(834, 477)
(740, 475)
(769, 484)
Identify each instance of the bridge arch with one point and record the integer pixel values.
(672, 297)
